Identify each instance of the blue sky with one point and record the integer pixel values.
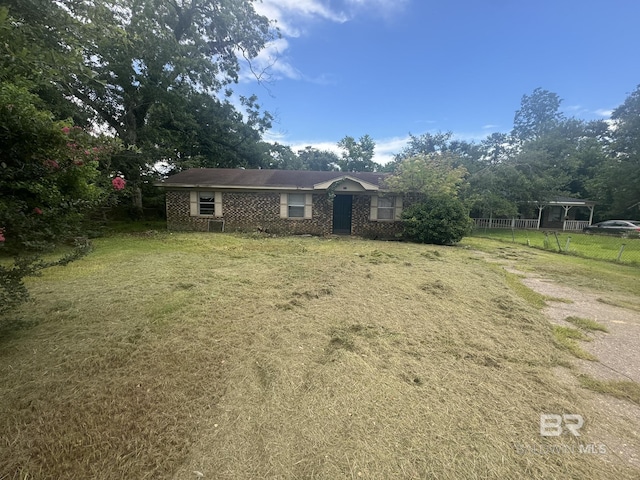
(388, 68)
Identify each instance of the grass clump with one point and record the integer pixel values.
(567, 336)
(529, 295)
(620, 304)
(622, 389)
(586, 324)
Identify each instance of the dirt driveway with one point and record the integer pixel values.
(618, 354)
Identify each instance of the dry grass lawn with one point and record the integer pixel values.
(227, 357)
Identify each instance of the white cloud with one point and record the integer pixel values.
(387, 148)
(290, 14)
(293, 17)
(604, 112)
(270, 64)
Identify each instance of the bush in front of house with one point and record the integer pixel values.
(441, 220)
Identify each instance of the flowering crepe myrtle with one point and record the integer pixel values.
(118, 183)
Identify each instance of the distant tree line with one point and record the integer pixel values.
(545, 155)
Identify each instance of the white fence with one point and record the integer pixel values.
(525, 223)
(575, 225)
(519, 223)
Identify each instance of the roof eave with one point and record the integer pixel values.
(210, 186)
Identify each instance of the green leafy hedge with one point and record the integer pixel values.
(441, 220)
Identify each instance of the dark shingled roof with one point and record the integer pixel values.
(239, 178)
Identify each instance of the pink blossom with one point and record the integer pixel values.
(51, 164)
(66, 130)
(2, 239)
(37, 211)
(118, 183)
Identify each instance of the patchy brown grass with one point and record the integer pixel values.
(587, 324)
(622, 389)
(282, 358)
(567, 337)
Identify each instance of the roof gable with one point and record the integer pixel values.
(347, 183)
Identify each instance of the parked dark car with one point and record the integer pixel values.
(615, 227)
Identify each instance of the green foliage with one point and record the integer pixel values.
(432, 174)
(151, 71)
(357, 156)
(283, 158)
(318, 160)
(50, 173)
(545, 156)
(13, 291)
(539, 113)
(39, 50)
(160, 63)
(440, 220)
(616, 180)
(49, 181)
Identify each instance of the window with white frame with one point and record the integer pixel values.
(295, 205)
(386, 208)
(206, 204)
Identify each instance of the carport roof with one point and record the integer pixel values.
(569, 201)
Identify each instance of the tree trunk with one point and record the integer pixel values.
(136, 211)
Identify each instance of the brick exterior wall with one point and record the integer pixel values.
(252, 211)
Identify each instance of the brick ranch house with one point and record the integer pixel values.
(282, 202)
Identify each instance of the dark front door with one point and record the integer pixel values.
(342, 214)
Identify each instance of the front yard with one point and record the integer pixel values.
(219, 356)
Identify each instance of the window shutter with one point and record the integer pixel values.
(308, 199)
(193, 202)
(218, 204)
(398, 209)
(374, 208)
(284, 210)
